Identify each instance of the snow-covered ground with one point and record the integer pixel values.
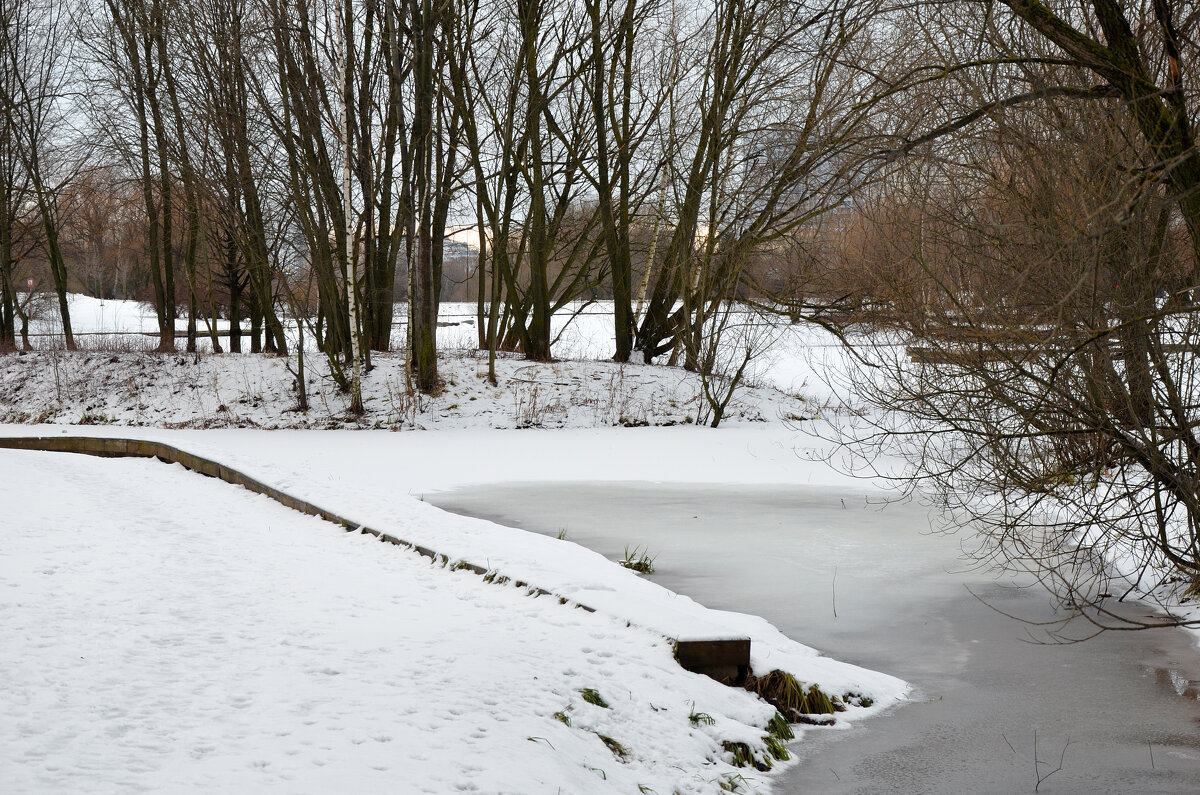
(794, 358)
(202, 637)
(194, 586)
(217, 628)
(173, 632)
(107, 383)
(233, 390)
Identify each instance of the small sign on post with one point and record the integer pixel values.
(29, 284)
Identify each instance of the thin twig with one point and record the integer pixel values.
(834, 589)
(1036, 761)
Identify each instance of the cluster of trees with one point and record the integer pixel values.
(263, 155)
(1014, 185)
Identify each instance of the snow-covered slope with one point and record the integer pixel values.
(370, 477)
(205, 638)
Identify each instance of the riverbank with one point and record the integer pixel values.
(865, 578)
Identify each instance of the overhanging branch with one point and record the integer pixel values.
(1096, 92)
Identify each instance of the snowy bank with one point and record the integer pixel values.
(112, 380)
(355, 474)
(258, 391)
(202, 637)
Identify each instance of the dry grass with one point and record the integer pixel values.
(782, 691)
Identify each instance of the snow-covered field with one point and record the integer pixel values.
(234, 390)
(169, 632)
(794, 358)
(220, 631)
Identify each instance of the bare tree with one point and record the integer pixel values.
(128, 43)
(36, 62)
(1038, 255)
(771, 145)
(14, 182)
(432, 175)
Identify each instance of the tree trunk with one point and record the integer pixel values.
(423, 297)
(537, 347)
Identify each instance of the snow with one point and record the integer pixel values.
(228, 642)
(116, 382)
(233, 390)
(207, 638)
(93, 316)
(375, 479)
(201, 637)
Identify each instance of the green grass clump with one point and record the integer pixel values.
(782, 691)
(779, 727)
(775, 748)
(618, 750)
(639, 560)
(744, 757)
(593, 697)
(858, 700)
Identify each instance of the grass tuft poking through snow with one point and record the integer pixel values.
(639, 560)
(790, 697)
(591, 696)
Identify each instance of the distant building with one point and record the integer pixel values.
(458, 267)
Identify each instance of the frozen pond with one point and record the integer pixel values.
(868, 583)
